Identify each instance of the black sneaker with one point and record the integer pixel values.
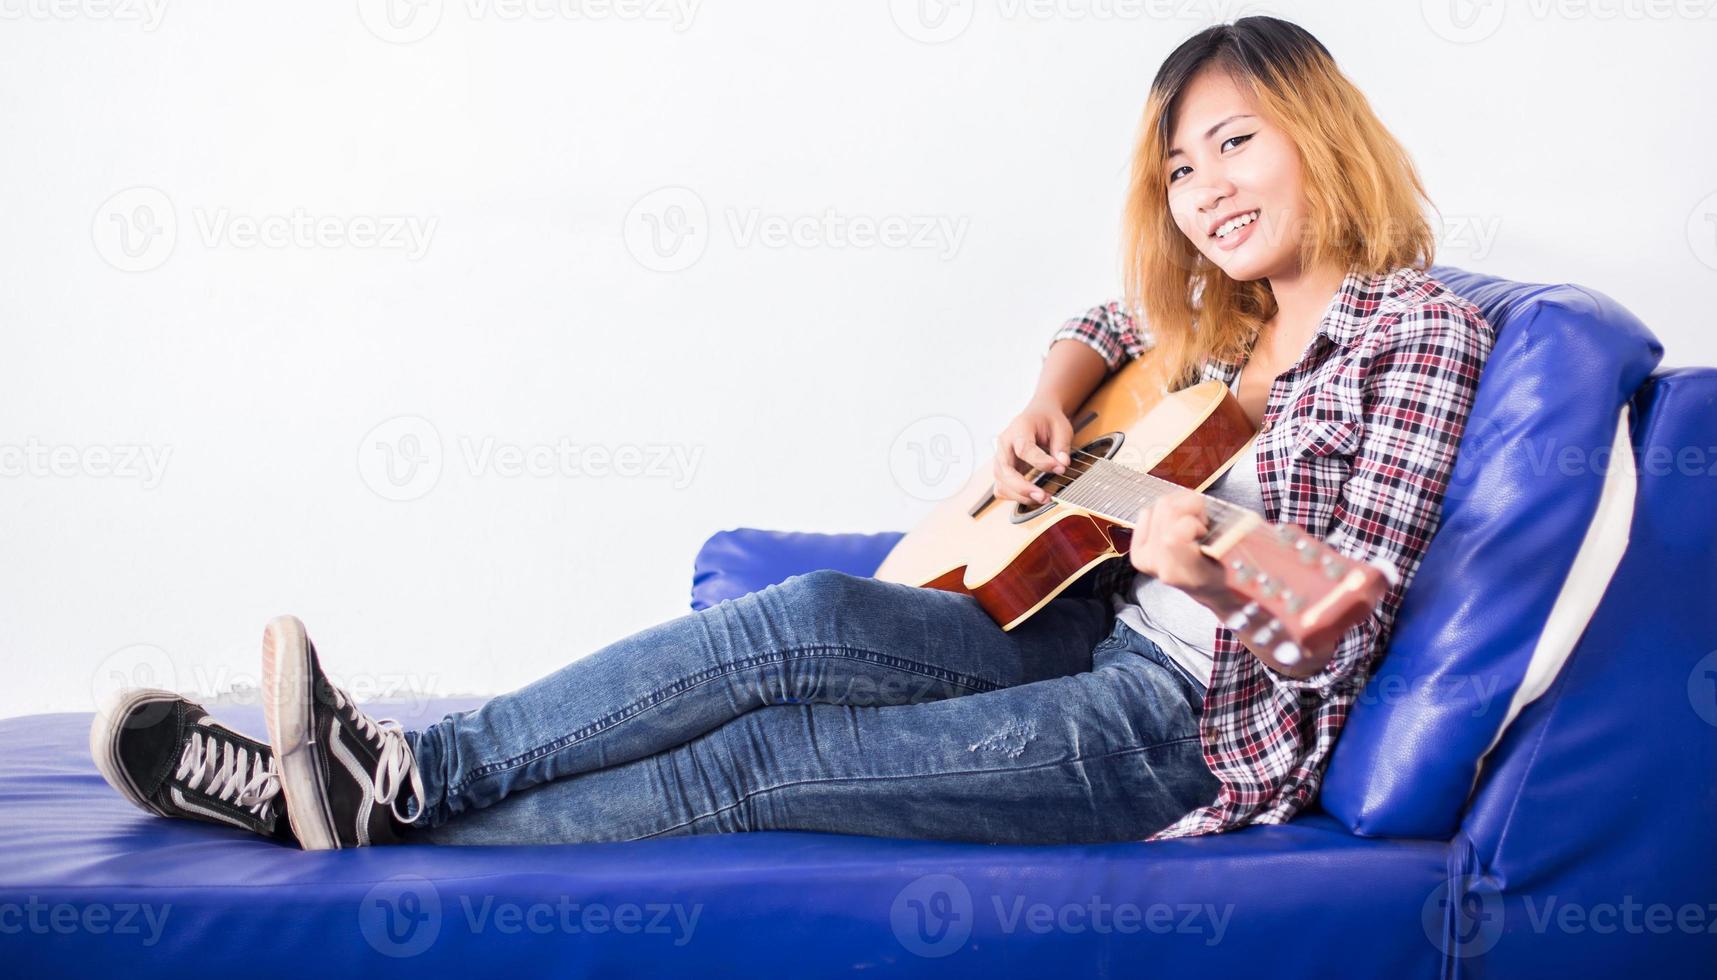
(336, 763)
(167, 756)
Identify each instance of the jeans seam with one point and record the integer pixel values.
(746, 798)
(686, 684)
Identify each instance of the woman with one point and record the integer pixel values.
(1274, 239)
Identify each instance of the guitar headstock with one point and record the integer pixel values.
(1301, 595)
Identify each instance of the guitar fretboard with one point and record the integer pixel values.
(1105, 487)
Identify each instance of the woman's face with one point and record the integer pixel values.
(1227, 160)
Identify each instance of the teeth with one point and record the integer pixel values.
(1235, 224)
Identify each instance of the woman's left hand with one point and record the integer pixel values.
(1165, 546)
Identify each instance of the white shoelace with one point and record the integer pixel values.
(394, 763)
(228, 772)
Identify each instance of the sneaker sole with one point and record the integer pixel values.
(104, 732)
(288, 708)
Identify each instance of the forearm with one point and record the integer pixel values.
(1071, 372)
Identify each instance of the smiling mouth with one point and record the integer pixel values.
(1236, 223)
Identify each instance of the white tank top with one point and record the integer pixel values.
(1170, 618)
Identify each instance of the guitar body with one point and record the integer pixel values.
(1013, 558)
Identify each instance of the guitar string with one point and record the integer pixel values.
(1153, 488)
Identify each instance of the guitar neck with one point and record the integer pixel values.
(1117, 493)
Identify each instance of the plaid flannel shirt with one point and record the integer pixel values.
(1357, 446)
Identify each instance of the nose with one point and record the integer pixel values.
(1213, 193)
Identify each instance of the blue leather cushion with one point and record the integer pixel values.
(91, 886)
(1601, 794)
(1566, 359)
(733, 563)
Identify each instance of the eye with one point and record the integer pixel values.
(1175, 173)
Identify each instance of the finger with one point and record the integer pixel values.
(1011, 484)
(1061, 439)
(1187, 529)
(1184, 501)
(1033, 454)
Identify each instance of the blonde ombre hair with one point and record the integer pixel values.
(1363, 193)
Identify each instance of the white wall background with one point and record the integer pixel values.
(474, 249)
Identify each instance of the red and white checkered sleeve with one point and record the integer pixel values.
(1110, 331)
(1418, 393)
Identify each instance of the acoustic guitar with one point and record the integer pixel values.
(1137, 443)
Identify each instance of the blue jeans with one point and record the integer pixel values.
(839, 703)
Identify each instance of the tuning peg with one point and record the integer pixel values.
(1238, 621)
(1287, 653)
(1266, 633)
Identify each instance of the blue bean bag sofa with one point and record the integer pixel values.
(1525, 789)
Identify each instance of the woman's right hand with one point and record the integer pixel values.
(1038, 436)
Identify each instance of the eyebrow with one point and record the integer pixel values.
(1177, 151)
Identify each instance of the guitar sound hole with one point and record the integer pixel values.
(1103, 446)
